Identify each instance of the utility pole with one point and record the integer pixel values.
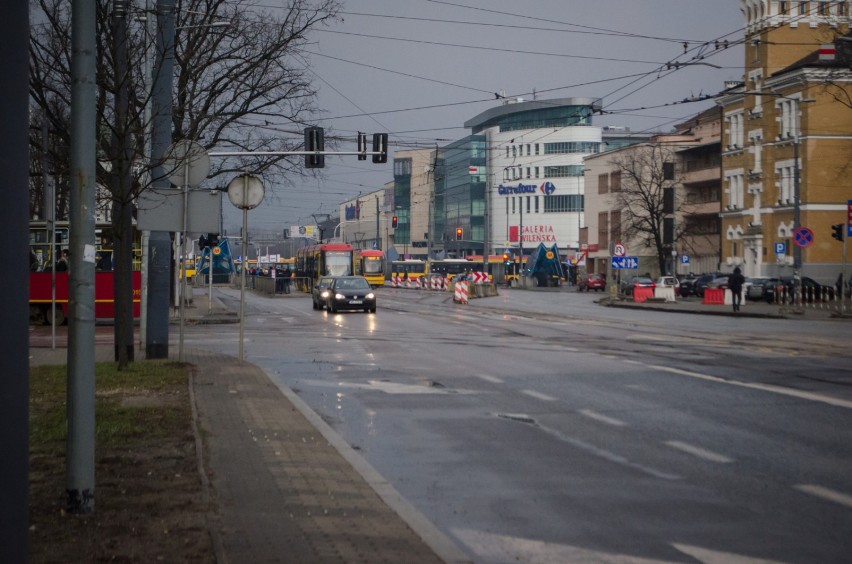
(80, 459)
(122, 210)
(159, 243)
(378, 226)
(14, 388)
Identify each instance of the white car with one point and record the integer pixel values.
(669, 281)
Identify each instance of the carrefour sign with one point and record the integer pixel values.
(546, 188)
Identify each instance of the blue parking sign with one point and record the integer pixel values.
(780, 248)
(684, 259)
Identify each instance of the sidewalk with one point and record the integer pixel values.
(284, 486)
(760, 309)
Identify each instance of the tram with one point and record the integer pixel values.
(370, 263)
(324, 259)
(49, 272)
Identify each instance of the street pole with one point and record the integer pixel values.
(80, 456)
(159, 245)
(378, 225)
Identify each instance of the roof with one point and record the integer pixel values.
(510, 108)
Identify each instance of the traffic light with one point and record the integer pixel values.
(506, 259)
(459, 233)
(362, 146)
(837, 231)
(314, 142)
(394, 221)
(380, 145)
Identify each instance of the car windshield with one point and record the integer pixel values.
(352, 284)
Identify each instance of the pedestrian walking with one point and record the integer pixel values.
(735, 283)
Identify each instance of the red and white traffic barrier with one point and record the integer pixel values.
(460, 296)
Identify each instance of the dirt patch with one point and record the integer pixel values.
(149, 504)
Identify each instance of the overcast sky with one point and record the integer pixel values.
(418, 69)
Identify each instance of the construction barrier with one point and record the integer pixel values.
(666, 293)
(642, 294)
(460, 292)
(714, 296)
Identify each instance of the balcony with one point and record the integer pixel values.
(703, 176)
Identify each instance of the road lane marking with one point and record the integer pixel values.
(492, 379)
(762, 387)
(608, 455)
(825, 493)
(602, 418)
(538, 395)
(700, 452)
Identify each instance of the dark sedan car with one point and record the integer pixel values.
(811, 291)
(638, 282)
(687, 285)
(350, 292)
(702, 282)
(319, 293)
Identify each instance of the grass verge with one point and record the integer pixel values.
(149, 503)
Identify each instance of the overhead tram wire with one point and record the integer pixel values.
(549, 20)
(595, 31)
(481, 48)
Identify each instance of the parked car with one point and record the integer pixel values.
(720, 282)
(687, 285)
(319, 293)
(812, 291)
(703, 280)
(350, 292)
(595, 282)
(669, 282)
(755, 287)
(637, 282)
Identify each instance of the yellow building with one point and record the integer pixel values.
(787, 141)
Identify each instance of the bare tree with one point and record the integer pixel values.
(240, 79)
(641, 199)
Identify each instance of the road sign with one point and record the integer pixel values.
(625, 263)
(684, 259)
(803, 237)
(780, 248)
(619, 250)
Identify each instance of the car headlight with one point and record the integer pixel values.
(324, 294)
(371, 296)
(339, 297)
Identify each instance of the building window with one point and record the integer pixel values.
(736, 196)
(528, 172)
(841, 8)
(803, 8)
(571, 147)
(603, 183)
(615, 225)
(615, 181)
(536, 148)
(513, 206)
(603, 230)
(536, 204)
(528, 204)
(528, 149)
(822, 8)
(782, 7)
(536, 172)
(507, 151)
(563, 204)
(402, 167)
(563, 171)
